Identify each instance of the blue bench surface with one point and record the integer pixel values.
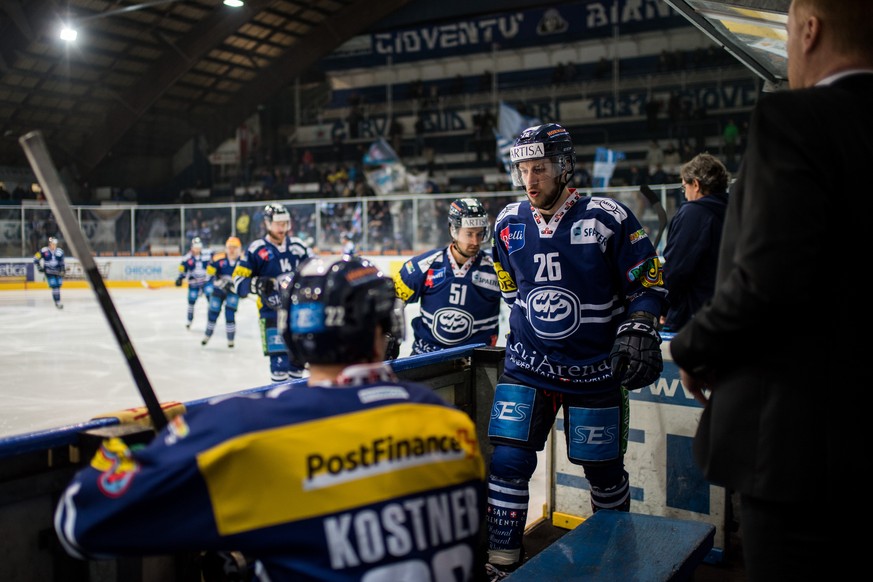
(614, 545)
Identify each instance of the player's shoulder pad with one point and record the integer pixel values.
(219, 256)
(425, 260)
(509, 210)
(298, 247)
(609, 207)
(487, 259)
(256, 244)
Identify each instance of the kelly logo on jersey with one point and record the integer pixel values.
(512, 237)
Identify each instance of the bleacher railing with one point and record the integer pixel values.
(396, 224)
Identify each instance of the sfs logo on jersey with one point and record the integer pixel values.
(553, 312)
(512, 237)
(452, 326)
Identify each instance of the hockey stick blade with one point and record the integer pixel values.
(56, 194)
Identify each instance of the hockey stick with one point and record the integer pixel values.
(656, 205)
(41, 162)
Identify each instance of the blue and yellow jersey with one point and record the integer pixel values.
(317, 483)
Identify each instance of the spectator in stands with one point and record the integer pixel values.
(691, 251)
(395, 133)
(558, 74)
(777, 349)
(654, 156)
(485, 81)
(602, 68)
(653, 109)
(659, 176)
(672, 162)
(458, 85)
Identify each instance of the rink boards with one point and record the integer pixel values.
(664, 478)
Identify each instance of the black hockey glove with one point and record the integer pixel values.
(636, 354)
(266, 289)
(178, 281)
(392, 347)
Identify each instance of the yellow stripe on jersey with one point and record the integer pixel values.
(338, 463)
(401, 289)
(507, 285)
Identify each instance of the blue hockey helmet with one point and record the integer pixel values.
(333, 306)
(551, 143)
(468, 213)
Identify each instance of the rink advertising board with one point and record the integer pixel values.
(664, 478)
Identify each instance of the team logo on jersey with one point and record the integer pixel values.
(264, 253)
(452, 326)
(434, 276)
(512, 237)
(553, 312)
(117, 466)
(649, 273)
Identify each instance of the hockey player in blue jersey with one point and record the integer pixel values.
(193, 268)
(49, 260)
(220, 270)
(456, 285)
(265, 260)
(586, 289)
(353, 476)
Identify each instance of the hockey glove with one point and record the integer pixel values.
(40, 268)
(392, 347)
(179, 282)
(636, 354)
(266, 289)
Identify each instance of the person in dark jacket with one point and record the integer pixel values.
(691, 252)
(778, 355)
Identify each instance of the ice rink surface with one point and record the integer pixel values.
(63, 367)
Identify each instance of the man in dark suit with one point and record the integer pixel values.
(773, 355)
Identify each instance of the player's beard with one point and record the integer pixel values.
(547, 203)
(463, 250)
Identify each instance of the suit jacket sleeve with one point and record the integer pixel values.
(772, 236)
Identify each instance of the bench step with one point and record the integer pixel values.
(615, 545)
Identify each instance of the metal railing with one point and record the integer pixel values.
(397, 224)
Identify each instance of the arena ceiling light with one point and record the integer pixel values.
(69, 30)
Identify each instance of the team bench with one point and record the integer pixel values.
(615, 545)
